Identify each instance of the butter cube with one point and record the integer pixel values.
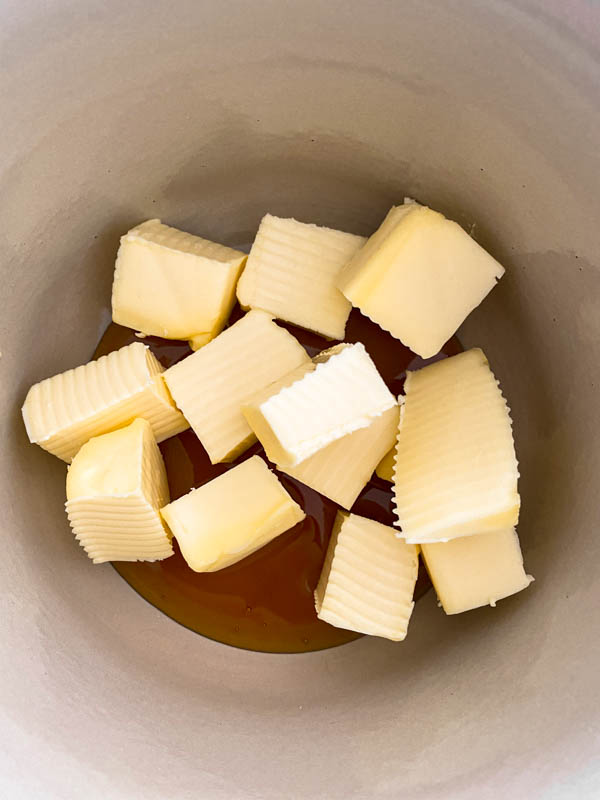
(477, 570)
(419, 276)
(211, 386)
(339, 393)
(116, 486)
(61, 413)
(172, 284)
(343, 468)
(456, 468)
(230, 517)
(368, 579)
(292, 271)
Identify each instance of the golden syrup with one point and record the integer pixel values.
(264, 602)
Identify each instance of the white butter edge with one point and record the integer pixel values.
(343, 468)
(212, 384)
(341, 394)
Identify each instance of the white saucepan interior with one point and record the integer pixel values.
(208, 114)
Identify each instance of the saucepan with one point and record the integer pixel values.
(208, 115)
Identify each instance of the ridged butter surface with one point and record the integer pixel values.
(456, 469)
(368, 579)
(211, 385)
(292, 271)
(116, 486)
(385, 468)
(61, 413)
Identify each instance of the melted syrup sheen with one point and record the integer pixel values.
(264, 602)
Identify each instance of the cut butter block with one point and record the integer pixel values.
(61, 413)
(339, 393)
(230, 517)
(292, 271)
(419, 276)
(211, 385)
(385, 468)
(116, 486)
(456, 468)
(342, 469)
(477, 570)
(173, 284)
(368, 579)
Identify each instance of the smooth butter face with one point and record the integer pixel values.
(477, 570)
(342, 469)
(368, 579)
(109, 464)
(61, 413)
(172, 284)
(419, 276)
(230, 517)
(292, 271)
(341, 393)
(211, 385)
(456, 469)
(116, 485)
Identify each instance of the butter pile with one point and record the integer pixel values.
(328, 421)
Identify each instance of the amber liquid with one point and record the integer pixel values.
(264, 602)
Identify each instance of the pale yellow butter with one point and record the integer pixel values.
(368, 579)
(116, 486)
(61, 413)
(211, 385)
(230, 517)
(342, 469)
(292, 271)
(419, 276)
(172, 284)
(456, 469)
(385, 468)
(477, 570)
(339, 393)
